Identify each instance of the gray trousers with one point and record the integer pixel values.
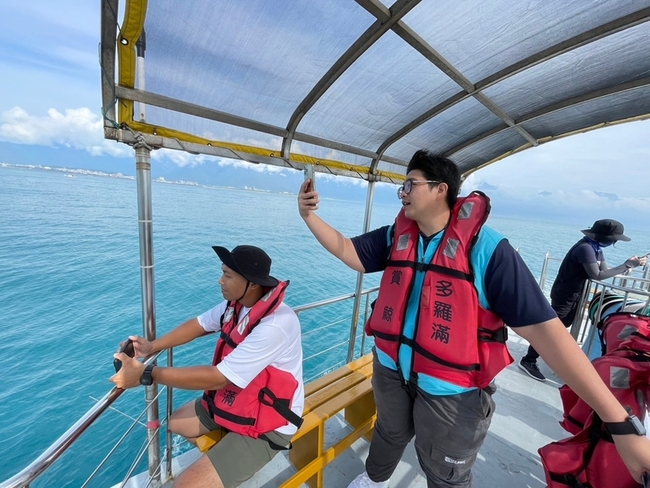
(449, 430)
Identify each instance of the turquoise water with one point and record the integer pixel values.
(70, 292)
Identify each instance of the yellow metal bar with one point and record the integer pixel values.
(317, 465)
(134, 14)
(243, 148)
(206, 441)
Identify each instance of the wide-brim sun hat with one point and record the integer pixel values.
(606, 230)
(249, 261)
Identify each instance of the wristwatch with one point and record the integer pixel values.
(146, 379)
(630, 426)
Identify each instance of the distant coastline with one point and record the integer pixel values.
(121, 176)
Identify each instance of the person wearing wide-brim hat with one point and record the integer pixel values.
(585, 260)
(253, 392)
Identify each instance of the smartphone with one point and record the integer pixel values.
(309, 175)
(127, 349)
(646, 480)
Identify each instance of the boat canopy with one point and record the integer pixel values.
(356, 87)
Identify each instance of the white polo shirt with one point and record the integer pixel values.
(275, 341)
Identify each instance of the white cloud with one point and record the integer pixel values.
(75, 128)
(595, 173)
(611, 159)
(181, 158)
(260, 168)
(82, 129)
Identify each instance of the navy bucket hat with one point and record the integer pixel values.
(606, 230)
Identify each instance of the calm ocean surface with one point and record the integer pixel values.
(70, 292)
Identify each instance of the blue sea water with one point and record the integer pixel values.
(70, 292)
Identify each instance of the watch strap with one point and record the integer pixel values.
(146, 379)
(628, 427)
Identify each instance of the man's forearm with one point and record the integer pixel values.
(184, 333)
(560, 351)
(191, 378)
(603, 273)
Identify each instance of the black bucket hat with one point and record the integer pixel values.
(250, 262)
(606, 230)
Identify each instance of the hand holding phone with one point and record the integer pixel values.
(309, 175)
(127, 348)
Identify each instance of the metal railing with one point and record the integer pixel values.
(636, 296)
(42, 463)
(544, 274)
(634, 284)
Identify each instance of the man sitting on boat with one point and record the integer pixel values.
(585, 260)
(449, 283)
(254, 390)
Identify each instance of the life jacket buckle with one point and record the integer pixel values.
(421, 266)
(486, 335)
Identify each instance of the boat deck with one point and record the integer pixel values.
(526, 418)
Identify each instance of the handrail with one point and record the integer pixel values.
(330, 301)
(580, 328)
(544, 273)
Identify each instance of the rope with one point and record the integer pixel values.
(139, 138)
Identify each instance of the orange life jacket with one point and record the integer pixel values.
(456, 340)
(265, 404)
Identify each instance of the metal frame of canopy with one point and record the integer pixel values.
(120, 93)
(124, 95)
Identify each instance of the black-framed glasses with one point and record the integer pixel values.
(406, 188)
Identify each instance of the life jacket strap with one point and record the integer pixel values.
(499, 335)
(596, 434)
(217, 412)
(423, 352)
(226, 337)
(386, 337)
(274, 446)
(569, 480)
(417, 266)
(279, 405)
(575, 421)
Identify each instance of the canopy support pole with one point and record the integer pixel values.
(145, 228)
(370, 195)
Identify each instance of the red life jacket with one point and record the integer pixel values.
(456, 340)
(590, 458)
(265, 404)
(586, 460)
(625, 372)
(620, 327)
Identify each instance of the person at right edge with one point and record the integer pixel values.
(585, 260)
(449, 283)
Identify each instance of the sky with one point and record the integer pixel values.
(50, 96)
